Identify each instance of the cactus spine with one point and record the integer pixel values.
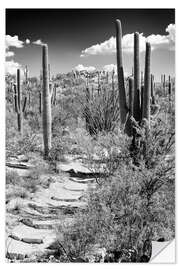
(147, 80)
(120, 72)
(136, 107)
(46, 103)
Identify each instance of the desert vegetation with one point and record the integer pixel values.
(122, 131)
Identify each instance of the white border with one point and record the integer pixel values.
(78, 4)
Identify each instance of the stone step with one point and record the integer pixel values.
(22, 231)
(47, 224)
(18, 250)
(75, 186)
(82, 181)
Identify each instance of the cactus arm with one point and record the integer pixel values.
(24, 105)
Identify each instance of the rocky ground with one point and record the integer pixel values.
(31, 227)
(31, 222)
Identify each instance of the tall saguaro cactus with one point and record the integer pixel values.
(46, 103)
(120, 72)
(19, 98)
(147, 84)
(131, 96)
(152, 89)
(136, 107)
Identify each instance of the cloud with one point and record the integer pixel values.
(81, 67)
(9, 54)
(110, 68)
(38, 42)
(27, 41)
(108, 47)
(11, 67)
(13, 41)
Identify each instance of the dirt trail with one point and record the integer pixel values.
(32, 228)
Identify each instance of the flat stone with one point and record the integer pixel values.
(82, 181)
(57, 190)
(25, 232)
(75, 186)
(20, 172)
(19, 250)
(73, 165)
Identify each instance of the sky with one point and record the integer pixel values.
(85, 39)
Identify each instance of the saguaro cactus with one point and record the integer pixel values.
(15, 99)
(147, 80)
(99, 82)
(142, 78)
(86, 112)
(19, 97)
(40, 102)
(128, 127)
(164, 84)
(169, 88)
(152, 90)
(131, 96)
(46, 103)
(107, 77)
(136, 107)
(18, 106)
(120, 72)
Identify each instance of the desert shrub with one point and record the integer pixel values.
(13, 178)
(14, 192)
(101, 112)
(57, 152)
(34, 120)
(152, 146)
(120, 213)
(29, 183)
(23, 144)
(104, 152)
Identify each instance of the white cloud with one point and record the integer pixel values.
(27, 41)
(38, 42)
(9, 54)
(13, 41)
(81, 67)
(171, 30)
(11, 67)
(108, 47)
(110, 68)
